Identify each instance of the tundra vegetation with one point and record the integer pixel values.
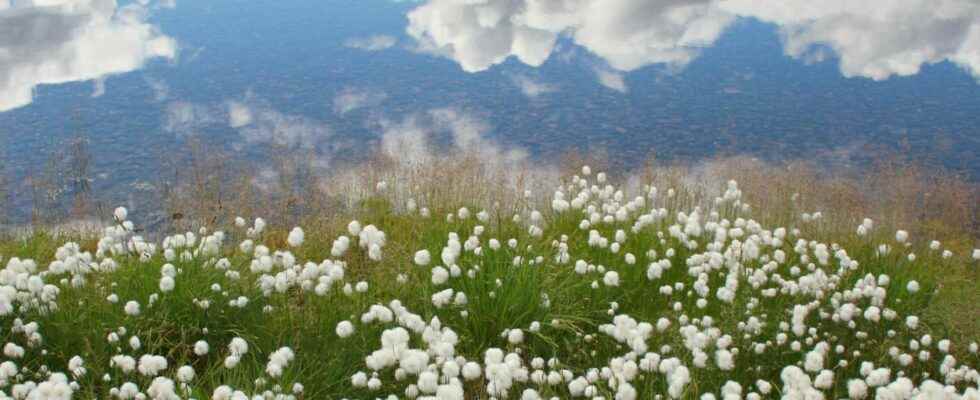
(458, 279)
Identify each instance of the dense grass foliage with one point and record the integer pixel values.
(603, 293)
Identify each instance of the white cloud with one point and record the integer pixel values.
(371, 43)
(351, 99)
(161, 91)
(267, 180)
(185, 118)
(872, 38)
(419, 137)
(407, 140)
(270, 126)
(628, 34)
(255, 121)
(260, 128)
(611, 79)
(239, 114)
(875, 38)
(442, 131)
(58, 41)
(531, 87)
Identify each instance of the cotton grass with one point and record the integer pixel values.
(597, 291)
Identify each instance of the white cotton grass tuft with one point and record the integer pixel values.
(515, 336)
(238, 346)
(354, 228)
(278, 361)
(185, 374)
(344, 329)
(201, 348)
(132, 308)
(340, 246)
(167, 284)
(296, 237)
(120, 214)
(422, 258)
(151, 365)
(372, 239)
(611, 278)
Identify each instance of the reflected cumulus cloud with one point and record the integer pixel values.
(350, 99)
(371, 43)
(531, 87)
(415, 138)
(58, 41)
(628, 34)
(255, 121)
(876, 39)
(611, 79)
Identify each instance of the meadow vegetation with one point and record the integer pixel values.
(460, 278)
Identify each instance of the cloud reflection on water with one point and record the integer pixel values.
(875, 39)
(59, 41)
